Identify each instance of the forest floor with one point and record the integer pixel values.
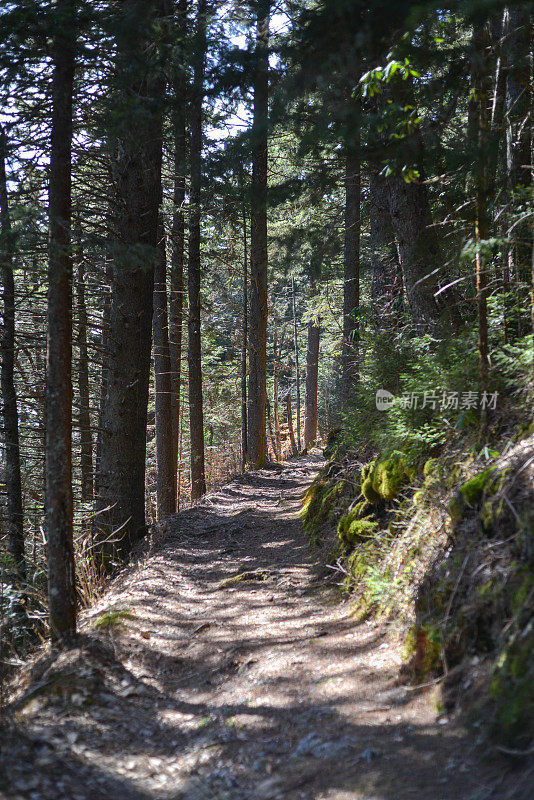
(231, 670)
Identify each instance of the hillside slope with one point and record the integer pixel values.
(223, 665)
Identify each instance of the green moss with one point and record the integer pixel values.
(319, 501)
(312, 502)
(249, 575)
(431, 467)
(473, 489)
(418, 498)
(368, 491)
(346, 520)
(113, 618)
(389, 475)
(354, 526)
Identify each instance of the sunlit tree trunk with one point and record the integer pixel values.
(136, 173)
(84, 416)
(166, 475)
(194, 352)
(257, 399)
(244, 347)
(15, 513)
(176, 299)
(289, 412)
(59, 521)
(276, 388)
(297, 365)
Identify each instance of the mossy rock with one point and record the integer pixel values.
(431, 468)
(473, 489)
(357, 512)
(390, 475)
(369, 492)
(353, 527)
(360, 529)
(418, 498)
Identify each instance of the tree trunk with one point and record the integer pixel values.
(104, 372)
(384, 284)
(84, 416)
(276, 383)
(312, 373)
(59, 544)
(290, 424)
(15, 513)
(297, 367)
(418, 247)
(480, 75)
(257, 399)
(194, 353)
(137, 184)
(517, 54)
(244, 345)
(176, 300)
(165, 457)
(517, 99)
(271, 431)
(351, 271)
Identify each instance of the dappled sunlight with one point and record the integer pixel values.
(259, 688)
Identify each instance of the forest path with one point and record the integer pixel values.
(214, 689)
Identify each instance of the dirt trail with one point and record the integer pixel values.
(254, 689)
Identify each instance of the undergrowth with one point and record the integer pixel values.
(429, 518)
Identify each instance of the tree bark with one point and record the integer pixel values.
(290, 424)
(165, 456)
(244, 346)
(418, 247)
(15, 512)
(276, 384)
(517, 98)
(271, 431)
(517, 56)
(383, 255)
(176, 300)
(59, 544)
(257, 399)
(297, 366)
(194, 353)
(104, 371)
(84, 416)
(312, 373)
(351, 271)
(120, 506)
(480, 76)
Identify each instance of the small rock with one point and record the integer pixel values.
(312, 745)
(369, 755)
